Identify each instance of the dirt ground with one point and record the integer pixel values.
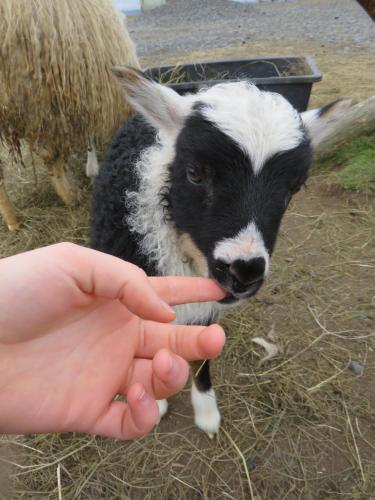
(301, 426)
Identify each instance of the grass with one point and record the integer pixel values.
(354, 165)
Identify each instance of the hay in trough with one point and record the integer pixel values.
(55, 60)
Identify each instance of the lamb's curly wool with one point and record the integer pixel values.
(110, 232)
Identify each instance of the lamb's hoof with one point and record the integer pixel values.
(209, 422)
(163, 408)
(206, 414)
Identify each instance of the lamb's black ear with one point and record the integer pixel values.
(160, 105)
(319, 121)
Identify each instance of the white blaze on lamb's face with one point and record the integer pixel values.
(247, 244)
(261, 123)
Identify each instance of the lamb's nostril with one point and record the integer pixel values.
(247, 272)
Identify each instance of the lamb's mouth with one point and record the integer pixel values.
(229, 299)
(233, 297)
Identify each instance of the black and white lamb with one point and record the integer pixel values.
(197, 185)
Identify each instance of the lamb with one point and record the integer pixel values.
(198, 185)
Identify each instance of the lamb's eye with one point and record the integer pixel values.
(194, 175)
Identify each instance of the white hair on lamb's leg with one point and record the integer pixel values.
(163, 407)
(206, 414)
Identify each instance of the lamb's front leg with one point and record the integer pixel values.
(206, 413)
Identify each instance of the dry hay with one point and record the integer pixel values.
(44, 220)
(300, 426)
(55, 60)
(202, 72)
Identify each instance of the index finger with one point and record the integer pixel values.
(184, 289)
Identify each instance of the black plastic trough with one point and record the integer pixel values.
(291, 77)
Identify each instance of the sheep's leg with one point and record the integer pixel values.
(61, 179)
(206, 414)
(6, 206)
(63, 183)
(92, 165)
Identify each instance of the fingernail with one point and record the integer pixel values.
(167, 307)
(145, 399)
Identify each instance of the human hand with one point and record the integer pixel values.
(78, 327)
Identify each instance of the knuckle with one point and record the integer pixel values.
(140, 272)
(174, 341)
(182, 341)
(170, 289)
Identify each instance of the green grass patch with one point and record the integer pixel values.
(355, 164)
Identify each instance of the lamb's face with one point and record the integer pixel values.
(239, 156)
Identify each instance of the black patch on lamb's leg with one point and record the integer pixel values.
(201, 375)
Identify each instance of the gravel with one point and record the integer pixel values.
(186, 25)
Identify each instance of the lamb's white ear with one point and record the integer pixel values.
(160, 105)
(319, 121)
